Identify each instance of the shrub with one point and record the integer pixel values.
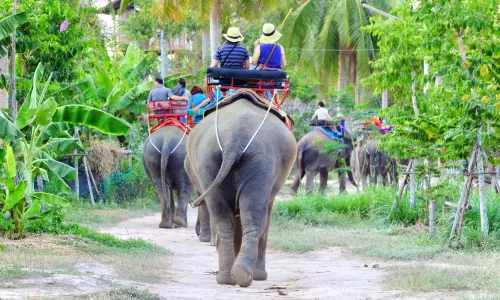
(122, 187)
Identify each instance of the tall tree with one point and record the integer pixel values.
(331, 40)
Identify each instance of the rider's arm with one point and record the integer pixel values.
(283, 59)
(328, 118)
(214, 63)
(247, 64)
(150, 98)
(314, 116)
(175, 97)
(256, 55)
(202, 104)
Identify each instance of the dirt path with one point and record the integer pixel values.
(327, 274)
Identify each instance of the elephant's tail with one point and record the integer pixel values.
(229, 158)
(349, 173)
(165, 153)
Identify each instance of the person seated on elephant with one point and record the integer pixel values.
(232, 54)
(268, 54)
(180, 88)
(197, 101)
(322, 116)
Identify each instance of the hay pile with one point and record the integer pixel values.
(102, 157)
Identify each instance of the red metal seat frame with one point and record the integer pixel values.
(166, 119)
(260, 87)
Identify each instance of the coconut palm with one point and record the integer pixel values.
(214, 10)
(331, 40)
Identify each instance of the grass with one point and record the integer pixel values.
(363, 224)
(124, 293)
(109, 214)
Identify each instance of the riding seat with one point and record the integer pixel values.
(246, 78)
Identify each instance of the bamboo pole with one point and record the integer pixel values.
(85, 166)
(468, 181)
(494, 177)
(413, 188)
(482, 187)
(12, 95)
(432, 219)
(402, 185)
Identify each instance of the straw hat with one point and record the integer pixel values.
(269, 34)
(233, 35)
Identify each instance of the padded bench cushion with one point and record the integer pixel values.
(223, 73)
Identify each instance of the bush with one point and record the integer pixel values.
(123, 187)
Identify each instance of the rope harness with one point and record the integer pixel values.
(254, 135)
(178, 144)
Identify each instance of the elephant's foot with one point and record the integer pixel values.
(242, 275)
(165, 224)
(259, 274)
(180, 222)
(293, 192)
(205, 238)
(224, 278)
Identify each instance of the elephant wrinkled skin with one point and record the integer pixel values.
(239, 188)
(166, 171)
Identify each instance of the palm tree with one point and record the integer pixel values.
(331, 42)
(214, 10)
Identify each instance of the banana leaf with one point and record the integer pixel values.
(31, 103)
(64, 145)
(61, 169)
(91, 117)
(8, 131)
(132, 96)
(57, 181)
(7, 26)
(51, 199)
(33, 209)
(15, 196)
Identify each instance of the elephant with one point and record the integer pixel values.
(240, 165)
(374, 163)
(310, 162)
(163, 157)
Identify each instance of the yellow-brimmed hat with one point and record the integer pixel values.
(233, 35)
(269, 34)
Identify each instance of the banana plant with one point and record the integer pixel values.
(28, 147)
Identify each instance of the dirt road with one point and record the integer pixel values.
(327, 274)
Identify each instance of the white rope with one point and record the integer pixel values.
(149, 135)
(216, 115)
(180, 142)
(262, 123)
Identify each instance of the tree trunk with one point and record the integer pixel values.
(215, 28)
(385, 99)
(432, 219)
(426, 72)
(13, 101)
(4, 69)
(163, 55)
(205, 46)
(413, 188)
(342, 70)
(482, 189)
(414, 93)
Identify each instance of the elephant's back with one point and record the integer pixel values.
(169, 136)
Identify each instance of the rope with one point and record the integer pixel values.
(216, 116)
(149, 134)
(180, 142)
(262, 123)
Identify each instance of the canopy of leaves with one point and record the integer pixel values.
(461, 42)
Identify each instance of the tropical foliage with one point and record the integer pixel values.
(459, 98)
(29, 148)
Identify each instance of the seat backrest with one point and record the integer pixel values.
(244, 74)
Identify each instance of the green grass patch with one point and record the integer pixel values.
(16, 272)
(124, 293)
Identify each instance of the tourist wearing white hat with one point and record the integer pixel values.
(268, 54)
(232, 54)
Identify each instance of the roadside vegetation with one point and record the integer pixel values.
(363, 224)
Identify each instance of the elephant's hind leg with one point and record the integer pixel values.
(259, 271)
(253, 204)
(323, 181)
(204, 219)
(299, 174)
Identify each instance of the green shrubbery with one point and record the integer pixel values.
(374, 205)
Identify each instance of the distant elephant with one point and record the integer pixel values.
(239, 187)
(310, 162)
(374, 163)
(165, 168)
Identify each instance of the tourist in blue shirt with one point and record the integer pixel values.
(232, 55)
(268, 54)
(197, 101)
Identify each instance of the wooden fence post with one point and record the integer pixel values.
(482, 188)
(85, 166)
(432, 219)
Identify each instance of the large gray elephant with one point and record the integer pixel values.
(239, 186)
(163, 158)
(310, 162)
(375, 163)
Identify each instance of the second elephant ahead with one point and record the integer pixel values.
(163, 158)
(310, 162)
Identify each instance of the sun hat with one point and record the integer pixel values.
(233, 35)
(269, 34)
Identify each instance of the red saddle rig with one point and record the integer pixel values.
(162, 113)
